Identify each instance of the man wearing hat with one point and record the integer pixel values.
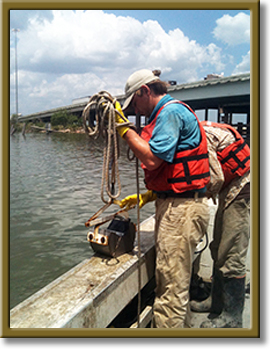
(172, 148)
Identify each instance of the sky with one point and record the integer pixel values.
(64, 55)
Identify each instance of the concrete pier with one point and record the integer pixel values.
(94, 292)
(91, 294)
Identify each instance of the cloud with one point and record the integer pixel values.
(69, 54)
(244, 65)
(233, 30)
(19, 19)
(78, 41)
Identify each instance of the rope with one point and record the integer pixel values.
(99, 119)
(139, 244)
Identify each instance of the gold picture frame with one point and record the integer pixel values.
(254, 331)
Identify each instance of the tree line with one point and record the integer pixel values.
(59, 120)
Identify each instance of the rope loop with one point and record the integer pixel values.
(99, 120)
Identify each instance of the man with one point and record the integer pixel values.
(173, 150)
(229, 158)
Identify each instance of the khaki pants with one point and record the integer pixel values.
(231, 237)
(180, 225)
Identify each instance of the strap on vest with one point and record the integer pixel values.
(189, 179)
(190, 158)
(233, 154)
(240, 164)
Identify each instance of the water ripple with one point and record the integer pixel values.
(55, 185)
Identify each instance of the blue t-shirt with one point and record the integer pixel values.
(176, 129)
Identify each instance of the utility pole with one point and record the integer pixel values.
(15, 30)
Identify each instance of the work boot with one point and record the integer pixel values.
(214, 303)
(234, 298)
(201, 306)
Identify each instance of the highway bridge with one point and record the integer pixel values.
(227, 96)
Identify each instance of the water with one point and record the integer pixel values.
(55, 184)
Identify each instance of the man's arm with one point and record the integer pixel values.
(142, 150)
(217, 176)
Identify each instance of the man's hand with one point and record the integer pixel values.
(121, 119)
(131, 201)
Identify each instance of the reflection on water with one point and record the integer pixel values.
(55, 184)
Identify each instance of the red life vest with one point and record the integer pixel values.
(189, 170)
(234, 159)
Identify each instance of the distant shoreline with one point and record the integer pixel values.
(42, 130)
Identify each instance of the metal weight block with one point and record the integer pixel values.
(117, 239)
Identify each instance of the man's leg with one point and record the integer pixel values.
(180, 224)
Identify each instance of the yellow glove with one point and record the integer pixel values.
(131, 200)
(120, 118)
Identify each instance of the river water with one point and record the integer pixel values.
(55, 184)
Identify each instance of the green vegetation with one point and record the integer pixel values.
(14, 123)
(14, 119)
(61, 120)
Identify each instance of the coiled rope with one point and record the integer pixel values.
(99, 119)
